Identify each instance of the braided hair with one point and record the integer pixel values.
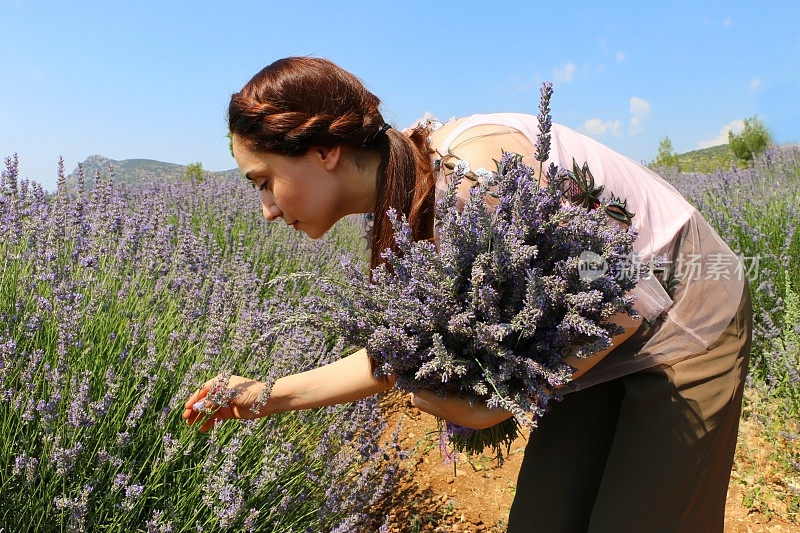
(297, 103)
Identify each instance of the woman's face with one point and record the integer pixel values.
(302, 190)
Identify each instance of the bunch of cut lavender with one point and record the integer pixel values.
(511, 293)
(492, 315)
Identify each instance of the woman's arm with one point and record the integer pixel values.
(346, 380)
(458, 411)
(481, 146)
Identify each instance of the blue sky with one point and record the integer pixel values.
(152, 79)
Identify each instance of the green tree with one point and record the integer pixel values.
(230, 143)
(752, 140)
(666, 156)
(194, 171)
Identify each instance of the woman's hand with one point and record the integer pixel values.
(458, 411)
(243, 394)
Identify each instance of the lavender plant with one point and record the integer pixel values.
(114, 304)
(755, 211)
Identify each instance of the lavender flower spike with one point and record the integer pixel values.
(545, 123)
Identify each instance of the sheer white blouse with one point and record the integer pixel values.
(709, 276)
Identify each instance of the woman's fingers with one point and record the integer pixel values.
(218, 416)
(209, 423)
(190, 413)
(192, 416)
(192, 399)
(240, 394)
(423, 400)
(196, 396)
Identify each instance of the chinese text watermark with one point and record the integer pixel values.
(714, 266)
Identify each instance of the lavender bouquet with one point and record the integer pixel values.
(493, 313)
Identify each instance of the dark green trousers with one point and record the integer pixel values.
(648, 452)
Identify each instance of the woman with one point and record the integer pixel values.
(645, 441)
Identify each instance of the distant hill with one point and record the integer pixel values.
(135, 170)
(708, 159)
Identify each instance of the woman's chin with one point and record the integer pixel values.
(314, 233)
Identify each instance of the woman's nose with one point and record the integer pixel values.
(271, 212)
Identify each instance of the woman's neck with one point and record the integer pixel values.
(363, 181)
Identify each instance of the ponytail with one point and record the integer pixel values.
(405, 182)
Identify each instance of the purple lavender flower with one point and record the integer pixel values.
(96, 275)
(77, 506)
(545, 123)
(121, 480)
(132, 495)
(250, 522)
(78, 415)
(64, 458)
(27, 465)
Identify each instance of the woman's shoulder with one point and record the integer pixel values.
(444, 130)
(458, 130)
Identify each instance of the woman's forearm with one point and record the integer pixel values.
(346, 380)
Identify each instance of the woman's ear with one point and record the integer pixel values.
(328, 156)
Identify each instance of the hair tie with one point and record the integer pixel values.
(371, 139)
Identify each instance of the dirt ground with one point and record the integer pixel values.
(477, 496)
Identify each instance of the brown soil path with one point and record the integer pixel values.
(477, 498)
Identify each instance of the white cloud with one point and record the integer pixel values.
(565, 73)
(596, 126)
(722, 138)
(755, 83)
(523, 86)
(621, 56)
(640, 111)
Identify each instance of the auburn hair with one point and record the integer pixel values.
(297, 103)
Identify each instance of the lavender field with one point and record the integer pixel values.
(757, 212)
(116, 303)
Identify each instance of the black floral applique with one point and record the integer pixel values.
(579, 188)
